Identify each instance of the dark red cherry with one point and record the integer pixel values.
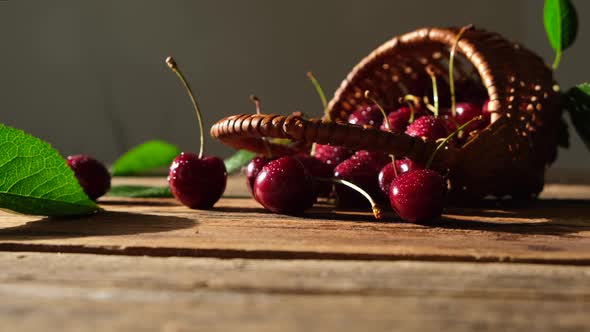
(93, 176)
(388, 173)
(197, 182)
(318, 169)
(363, 174)
(332, 155)
(465, 112)
(400, 119)
(429, 127)
(366, 116)
(418, 196)
(253, 168)
(285, 186)
(376, 159)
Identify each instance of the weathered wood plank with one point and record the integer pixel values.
(555, 229)
(69, 292)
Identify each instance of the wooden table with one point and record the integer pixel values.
(150, 264)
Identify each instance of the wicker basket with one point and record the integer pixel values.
(508, 157)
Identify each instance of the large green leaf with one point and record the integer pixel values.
(561, 25)
(35, 179)
(578, 105)
(145, 157)
(140, 191)
(238, 160)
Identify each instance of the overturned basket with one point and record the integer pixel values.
(509, 157)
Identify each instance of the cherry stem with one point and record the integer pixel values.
(412, 101)
(393, 163)
(377, 213)
(432, 75)
(451, 66)
(257, 103)
(313, 149)
(383, 113)
(385, 117)
(174, 67)
(321, 94)
(446, 140)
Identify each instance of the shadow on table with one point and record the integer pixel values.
(139, 202)
(542, 217)
(105, 224)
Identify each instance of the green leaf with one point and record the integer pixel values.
(578, 106)
(561, 25)
(238, 160)
(140, 191)
(36, 179)
(563, 134)
(145, 157)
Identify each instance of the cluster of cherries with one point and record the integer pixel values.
(292, 184)
(356, 179)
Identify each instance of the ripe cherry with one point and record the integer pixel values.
(332, 155)
(388, 173)
(93, 176)
(366, 116)
(376, 159)
(464, 112)
(429, 127)
(418, 196)
(363, 174)
(196, 181)
(285, 186)
(318, 169)
(400, 119)
(253, 168)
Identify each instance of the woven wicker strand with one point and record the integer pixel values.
(509, 157)
(245, 131)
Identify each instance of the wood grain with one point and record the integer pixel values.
(70, 292)
(555, 229)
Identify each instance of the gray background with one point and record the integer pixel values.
(89, 76)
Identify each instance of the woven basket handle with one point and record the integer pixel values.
(246, 131)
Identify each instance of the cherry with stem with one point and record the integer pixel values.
(195, 180)
(448, 138)
(174, 67)
(418, 195)
(384, 114)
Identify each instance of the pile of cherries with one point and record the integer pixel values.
(292, 184)
(356, 179)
